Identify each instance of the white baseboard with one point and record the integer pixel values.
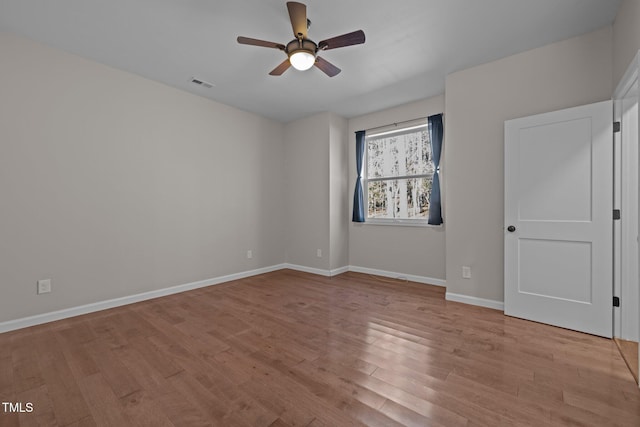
(465, 299)
(340, 270)
(318, 271)
(305, 269)
(394, 275)
(38, 319)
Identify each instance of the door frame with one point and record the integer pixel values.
(625, 199)
(627, 84)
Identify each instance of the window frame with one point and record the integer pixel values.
(390, 130)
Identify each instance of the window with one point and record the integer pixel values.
(399, 173)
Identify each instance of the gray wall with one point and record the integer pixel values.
(418, 251)
(478, 101)
(306, 160)
(626, 37)
(315, 187)
(338, 197)
(112, 185)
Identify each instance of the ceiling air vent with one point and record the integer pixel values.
(201, 82)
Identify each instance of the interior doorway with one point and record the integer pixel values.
(626, 200)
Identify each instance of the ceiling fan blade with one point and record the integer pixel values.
(298, 16)
(356, 37)
(327, 67)
(262, 43)
(281, 68)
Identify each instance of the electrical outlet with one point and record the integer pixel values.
(249, 254)
(44, 286)
(466, 272)
(319, 253)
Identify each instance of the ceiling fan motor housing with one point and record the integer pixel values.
(301, 45)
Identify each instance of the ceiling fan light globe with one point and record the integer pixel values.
(302, 60)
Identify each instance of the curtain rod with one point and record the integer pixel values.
(396, 124)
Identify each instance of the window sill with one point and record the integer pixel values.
(400, 223)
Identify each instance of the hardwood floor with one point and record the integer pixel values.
(293, 349)
(629, 352)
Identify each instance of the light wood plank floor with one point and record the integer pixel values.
(294, 349)
(629, 352)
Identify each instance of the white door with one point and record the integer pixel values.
(558, 218)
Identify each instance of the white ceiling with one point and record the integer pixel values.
(411, 44)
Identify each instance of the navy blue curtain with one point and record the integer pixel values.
(435, 134)
(358, 195)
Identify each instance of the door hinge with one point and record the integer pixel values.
(616, 301)
(616, 127)
(616, 214)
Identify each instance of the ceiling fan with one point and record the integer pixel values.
(302, 52)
